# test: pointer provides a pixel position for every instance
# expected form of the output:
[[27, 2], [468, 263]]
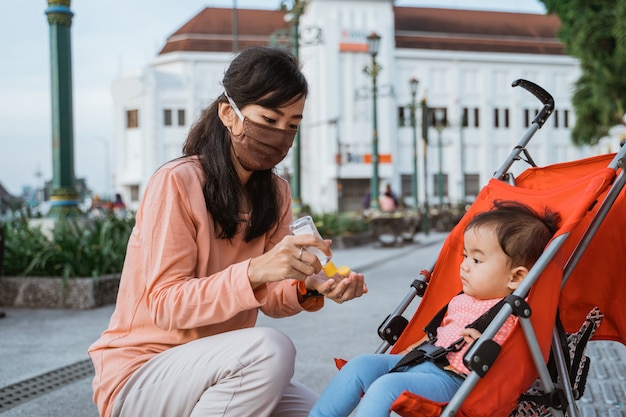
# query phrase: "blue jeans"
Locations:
[[367, 376]]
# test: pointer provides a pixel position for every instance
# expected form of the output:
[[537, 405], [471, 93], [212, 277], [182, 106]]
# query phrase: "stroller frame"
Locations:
[[481, 354]]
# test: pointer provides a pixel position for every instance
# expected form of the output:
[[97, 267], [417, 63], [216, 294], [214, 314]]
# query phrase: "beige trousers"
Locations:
[[243, 373]]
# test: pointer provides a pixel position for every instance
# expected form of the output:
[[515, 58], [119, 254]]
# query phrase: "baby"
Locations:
[[500, 247]]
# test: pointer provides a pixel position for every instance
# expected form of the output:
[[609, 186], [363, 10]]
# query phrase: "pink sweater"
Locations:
[[180, 282]]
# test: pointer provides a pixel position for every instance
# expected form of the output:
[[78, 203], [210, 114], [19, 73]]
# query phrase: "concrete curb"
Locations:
[[55, 292]]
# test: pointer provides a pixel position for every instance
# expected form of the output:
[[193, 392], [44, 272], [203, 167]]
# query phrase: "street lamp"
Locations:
[[425, 121], [293, 9], [439, 125], [293, 16], [64, 195], [373, 43], [413, 83]]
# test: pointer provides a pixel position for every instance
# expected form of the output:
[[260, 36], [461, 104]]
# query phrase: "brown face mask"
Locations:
[[259, 147]]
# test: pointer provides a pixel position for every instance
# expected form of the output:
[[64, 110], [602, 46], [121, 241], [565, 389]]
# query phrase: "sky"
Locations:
[[108, 38]]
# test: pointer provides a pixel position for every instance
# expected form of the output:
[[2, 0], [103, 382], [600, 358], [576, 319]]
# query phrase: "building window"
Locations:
[[505, 118], [406, 185], [444, 185], [167, 117], [528, 113], [473, 112], [472, 184], [566, 119], [134, 192], [132, 119], [556, 119], [432, 116], [402, 116], [181, 117]]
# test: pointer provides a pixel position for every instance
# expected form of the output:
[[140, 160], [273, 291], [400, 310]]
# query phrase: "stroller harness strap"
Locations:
[[437, 354]]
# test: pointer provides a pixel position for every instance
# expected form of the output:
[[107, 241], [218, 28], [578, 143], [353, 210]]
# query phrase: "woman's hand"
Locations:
[[288, 260], [339, 288]]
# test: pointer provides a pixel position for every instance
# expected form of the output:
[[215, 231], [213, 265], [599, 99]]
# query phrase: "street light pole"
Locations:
[[413, 83], [439, 120], [294, 14], [373, 43], [293, 10], [64, 195], [425, 122]]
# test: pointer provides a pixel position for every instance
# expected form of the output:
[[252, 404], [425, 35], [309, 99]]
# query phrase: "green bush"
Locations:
[[338, 224], [93, 247], [74, 248]]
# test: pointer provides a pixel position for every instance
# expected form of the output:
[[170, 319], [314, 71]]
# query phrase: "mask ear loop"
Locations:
[[234, 106]]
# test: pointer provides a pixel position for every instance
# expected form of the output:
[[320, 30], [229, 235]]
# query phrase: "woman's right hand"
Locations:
[[288, 260]]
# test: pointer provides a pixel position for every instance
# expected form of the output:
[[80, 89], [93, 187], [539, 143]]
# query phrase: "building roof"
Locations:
[[211, 30], [474, 30]]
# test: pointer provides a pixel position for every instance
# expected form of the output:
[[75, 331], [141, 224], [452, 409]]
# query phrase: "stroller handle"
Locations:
[[543, 96]]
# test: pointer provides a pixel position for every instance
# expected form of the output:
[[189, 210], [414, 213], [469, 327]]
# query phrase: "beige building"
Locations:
[[464, 61]]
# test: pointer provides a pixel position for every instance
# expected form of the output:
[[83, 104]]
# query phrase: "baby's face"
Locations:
[[486, 272]]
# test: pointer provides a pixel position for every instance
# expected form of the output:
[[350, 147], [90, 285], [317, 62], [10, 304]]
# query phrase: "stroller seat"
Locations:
[[577, 190]]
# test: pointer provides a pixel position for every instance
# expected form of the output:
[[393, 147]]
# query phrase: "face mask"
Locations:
[[259, 147]]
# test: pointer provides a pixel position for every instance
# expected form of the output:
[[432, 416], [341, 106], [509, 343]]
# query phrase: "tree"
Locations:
[[595, 33]]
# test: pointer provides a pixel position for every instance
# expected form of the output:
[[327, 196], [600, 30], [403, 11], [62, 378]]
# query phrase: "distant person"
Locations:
[[488, 273], [210, 250], [119, 207], [389, 200], [367, 200], [119, 202]]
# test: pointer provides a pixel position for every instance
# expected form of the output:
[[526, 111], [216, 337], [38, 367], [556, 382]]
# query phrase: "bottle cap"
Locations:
[[343, 270], [330, 269]]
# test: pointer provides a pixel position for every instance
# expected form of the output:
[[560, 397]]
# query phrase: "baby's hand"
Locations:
[[470, 335]]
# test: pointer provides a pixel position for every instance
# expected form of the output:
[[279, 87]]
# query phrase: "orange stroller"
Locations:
[[579, 271]]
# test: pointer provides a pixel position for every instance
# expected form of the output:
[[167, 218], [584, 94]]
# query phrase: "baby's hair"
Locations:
[[522, 232]]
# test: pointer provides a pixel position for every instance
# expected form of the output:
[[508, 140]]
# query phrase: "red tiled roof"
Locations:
[[416, 28], [474, 30], [212, 30]]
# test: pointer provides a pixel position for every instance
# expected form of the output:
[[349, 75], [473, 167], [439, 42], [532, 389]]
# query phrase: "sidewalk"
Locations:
[[51, 345]]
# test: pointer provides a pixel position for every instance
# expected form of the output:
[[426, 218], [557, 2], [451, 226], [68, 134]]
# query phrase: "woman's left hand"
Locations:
[[339, 289]]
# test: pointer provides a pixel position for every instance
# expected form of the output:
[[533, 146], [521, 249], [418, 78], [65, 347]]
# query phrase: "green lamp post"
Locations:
[[425, 118], [64, 196], [373, 43], [414, 83], [440, 125], [293, 16]]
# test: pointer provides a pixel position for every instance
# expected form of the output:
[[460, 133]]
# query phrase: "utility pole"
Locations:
[[64, 197]]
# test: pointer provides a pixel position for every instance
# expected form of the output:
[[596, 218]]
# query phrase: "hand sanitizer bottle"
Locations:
[[306, 226]]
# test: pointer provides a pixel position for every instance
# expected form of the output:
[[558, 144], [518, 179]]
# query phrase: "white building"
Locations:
[[465, 62]]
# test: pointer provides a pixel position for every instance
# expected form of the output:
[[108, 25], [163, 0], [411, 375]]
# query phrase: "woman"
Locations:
[[211, 248]]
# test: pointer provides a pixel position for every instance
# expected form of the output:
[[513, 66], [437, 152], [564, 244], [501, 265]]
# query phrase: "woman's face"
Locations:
[[265, 137], [287, 117]]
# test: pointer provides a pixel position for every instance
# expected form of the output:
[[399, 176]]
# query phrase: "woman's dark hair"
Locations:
[[268, 77], [522, 232]]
